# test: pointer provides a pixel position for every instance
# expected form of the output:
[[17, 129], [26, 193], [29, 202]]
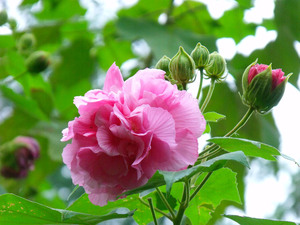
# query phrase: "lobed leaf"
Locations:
[[250, 148], [165, 177], [15, 210], [243, 220]]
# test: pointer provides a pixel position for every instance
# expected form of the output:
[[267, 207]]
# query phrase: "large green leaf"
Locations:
[[165, 177], [250, 148], [221, 186], [242, 220], [75, 64], [25, 104], [287, 17], [142, 214], [60, 10], [16, 210], [163, 40]]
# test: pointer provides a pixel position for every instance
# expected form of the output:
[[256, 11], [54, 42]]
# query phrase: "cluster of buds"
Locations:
[[263, 87], [36, 61], [181, 68], [17, 157]]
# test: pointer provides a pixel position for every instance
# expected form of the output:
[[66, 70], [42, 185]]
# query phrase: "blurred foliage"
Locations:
[[80, 51]]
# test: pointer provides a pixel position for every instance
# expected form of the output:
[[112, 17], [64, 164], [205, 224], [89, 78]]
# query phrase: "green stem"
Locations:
[[152, 211], [156, 209], [238, 126], [166, 203], [184, 86], [209, 94], [241, 123], [183, 204], [4, 82], [200, 185], [200, 84]]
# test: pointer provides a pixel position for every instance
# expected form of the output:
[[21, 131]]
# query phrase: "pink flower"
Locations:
[[128, 130], [277, 74]]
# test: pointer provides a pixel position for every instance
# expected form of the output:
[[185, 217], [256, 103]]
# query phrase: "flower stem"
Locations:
[[156, 209], [184, 86], [166, 203], [7, 81], [200, 84], [239, 125], [209, 94], [183, 204], [200, 185], [152, 211]]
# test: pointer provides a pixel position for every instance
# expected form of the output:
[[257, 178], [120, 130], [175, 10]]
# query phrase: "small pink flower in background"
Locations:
[[18, 157], [128, 130]]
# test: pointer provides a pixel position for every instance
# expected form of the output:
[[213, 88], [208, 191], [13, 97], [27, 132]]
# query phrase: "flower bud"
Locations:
[[164, 64], [12, 23], [182, 67], [18, 156], [200, 55], [3, 17], [263, 87], [26, 43], [37, 62], [216, 66]]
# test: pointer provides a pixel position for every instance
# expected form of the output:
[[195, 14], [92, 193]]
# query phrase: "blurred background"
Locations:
[[82, 38]]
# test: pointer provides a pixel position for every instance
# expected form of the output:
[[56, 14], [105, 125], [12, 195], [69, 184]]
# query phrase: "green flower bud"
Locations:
[[182, 67], [3, 17], [200, 55], [164, 64], [12, 23], [263, 87], [216, 66], [37, 62], [26, 44]]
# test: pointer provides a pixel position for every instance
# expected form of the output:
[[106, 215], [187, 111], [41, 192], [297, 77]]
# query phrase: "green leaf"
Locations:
[[243, 220], [7, 41], [162, 40], [165, 177], [213, 117], [25, 104], [142, 214], [60, 10], [221, 186], [16, 210], [75, 65], [250, 148]]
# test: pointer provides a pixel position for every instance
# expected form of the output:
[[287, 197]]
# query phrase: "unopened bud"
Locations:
[[200, 55], [18, 156], [263, 87], [216, 67], [3, 17], [12, 23], [164, 64], [182, 67], [26, 43], [37, 62]]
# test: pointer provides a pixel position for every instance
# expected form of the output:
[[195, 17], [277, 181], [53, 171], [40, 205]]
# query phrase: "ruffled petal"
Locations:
[[114, 80]]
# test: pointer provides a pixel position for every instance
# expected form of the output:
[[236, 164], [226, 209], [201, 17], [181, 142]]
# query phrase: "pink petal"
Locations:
[[114, 80], [104, 194], [187, 115], [161, 123], [186, 152]]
